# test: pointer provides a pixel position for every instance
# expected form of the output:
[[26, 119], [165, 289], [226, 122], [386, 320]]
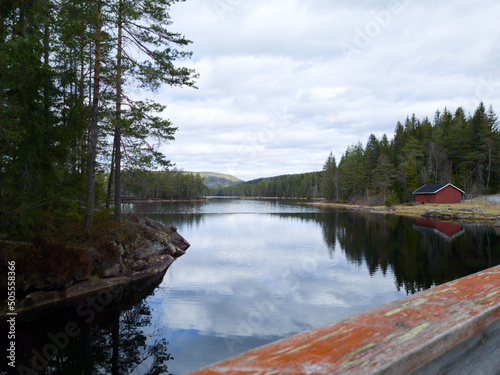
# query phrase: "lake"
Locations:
[[257, 271]]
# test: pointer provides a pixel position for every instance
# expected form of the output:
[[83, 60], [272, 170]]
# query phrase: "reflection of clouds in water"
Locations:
[[249, 279], [277, 279]]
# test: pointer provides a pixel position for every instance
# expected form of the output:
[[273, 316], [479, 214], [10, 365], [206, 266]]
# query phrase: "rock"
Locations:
[[171, 249], [177, 240], [440, 213], [179, 253], [146, 247], [152, 224], [127, 272], [111, 271], [138, 265]]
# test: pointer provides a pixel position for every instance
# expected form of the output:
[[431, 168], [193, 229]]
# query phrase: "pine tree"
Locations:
[[145, 32], [330, 182]]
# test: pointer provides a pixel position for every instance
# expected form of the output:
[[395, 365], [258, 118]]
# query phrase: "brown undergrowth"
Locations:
[[58, 259]]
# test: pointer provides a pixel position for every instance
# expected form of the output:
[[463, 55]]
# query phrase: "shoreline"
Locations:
[[160, 200], [149, 252], [55, 299], [487, 213]]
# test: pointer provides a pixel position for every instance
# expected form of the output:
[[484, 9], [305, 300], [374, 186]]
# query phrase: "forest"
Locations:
[[171, 184], [457, 148], [305, 185], [72, 75], [454, 148]]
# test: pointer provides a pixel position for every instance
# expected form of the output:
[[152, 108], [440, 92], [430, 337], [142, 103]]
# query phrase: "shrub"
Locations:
[[391, 199]]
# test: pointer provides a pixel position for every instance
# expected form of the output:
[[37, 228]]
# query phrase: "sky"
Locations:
[[285, 82]]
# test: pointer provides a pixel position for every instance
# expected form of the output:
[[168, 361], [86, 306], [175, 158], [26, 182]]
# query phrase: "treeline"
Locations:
[[172, 184], [67, 72], [305, 185], [453, 148]]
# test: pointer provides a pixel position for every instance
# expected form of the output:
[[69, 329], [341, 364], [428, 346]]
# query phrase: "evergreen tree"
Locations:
[[330, 182], [156, 48]]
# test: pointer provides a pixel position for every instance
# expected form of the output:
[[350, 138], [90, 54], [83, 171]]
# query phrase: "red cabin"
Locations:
[[438, 194]]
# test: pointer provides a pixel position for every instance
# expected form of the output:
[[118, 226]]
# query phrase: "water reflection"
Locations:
[[109, 333], [420, 252], [447, 230], [256, 272]]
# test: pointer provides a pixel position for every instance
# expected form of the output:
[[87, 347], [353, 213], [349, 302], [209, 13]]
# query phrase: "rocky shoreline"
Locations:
[[151, 251], [465, 212]]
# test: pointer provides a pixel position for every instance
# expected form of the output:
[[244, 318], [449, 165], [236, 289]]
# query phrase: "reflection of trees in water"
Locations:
[[118, 340], [186, 220], [121, 346], [329, 222], [418, 260]]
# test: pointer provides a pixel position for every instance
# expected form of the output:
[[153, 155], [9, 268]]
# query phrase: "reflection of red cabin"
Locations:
[[444, 228], [438, 194]]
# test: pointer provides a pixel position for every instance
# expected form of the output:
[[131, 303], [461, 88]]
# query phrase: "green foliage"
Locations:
[[217, 180], [306, 185], [353, 171], [48, 89], [329, 184], [391, 200], [172, 184], [456, 148]]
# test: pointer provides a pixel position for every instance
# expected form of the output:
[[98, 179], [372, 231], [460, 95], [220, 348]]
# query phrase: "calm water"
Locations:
[[257, 271]]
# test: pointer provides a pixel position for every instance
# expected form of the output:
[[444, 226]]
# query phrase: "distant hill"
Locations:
[[218, 180]]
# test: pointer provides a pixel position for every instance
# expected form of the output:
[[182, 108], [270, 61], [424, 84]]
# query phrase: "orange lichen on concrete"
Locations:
[[396, 338]]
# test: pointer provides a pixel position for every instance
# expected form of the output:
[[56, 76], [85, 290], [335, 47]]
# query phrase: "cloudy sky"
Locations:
[[284, 82]]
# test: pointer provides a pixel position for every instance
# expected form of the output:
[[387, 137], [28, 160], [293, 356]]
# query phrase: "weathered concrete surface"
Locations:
[[397, 338], [479, 354]]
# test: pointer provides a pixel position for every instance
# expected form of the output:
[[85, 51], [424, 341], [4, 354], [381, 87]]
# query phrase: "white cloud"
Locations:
[[276, 62]]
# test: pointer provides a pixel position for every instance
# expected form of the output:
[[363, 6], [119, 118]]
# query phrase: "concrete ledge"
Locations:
[[433, 328]]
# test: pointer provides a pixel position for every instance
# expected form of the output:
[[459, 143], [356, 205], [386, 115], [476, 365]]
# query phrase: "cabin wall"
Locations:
[[446, 195], [424, 198]]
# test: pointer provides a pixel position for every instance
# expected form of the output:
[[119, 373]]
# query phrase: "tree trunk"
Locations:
[[118, 156], [110, 179], [489, 166], [93, 124], [46, 68]]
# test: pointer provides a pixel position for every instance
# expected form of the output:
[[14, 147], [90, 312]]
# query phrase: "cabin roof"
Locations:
[[434, 188]]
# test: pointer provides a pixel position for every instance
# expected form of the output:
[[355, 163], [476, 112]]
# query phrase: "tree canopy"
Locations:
[[455, 148], [68, 69]]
